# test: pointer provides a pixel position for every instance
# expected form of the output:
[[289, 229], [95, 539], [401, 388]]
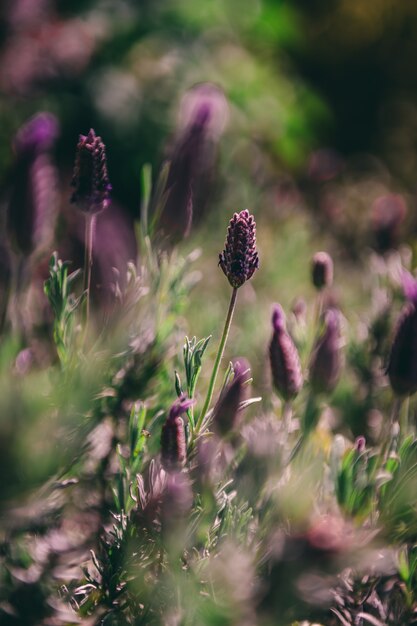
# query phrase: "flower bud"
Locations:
[[322, 270], [173, 443], [360, 444], [283, 356], [326, 358], [387, 215], [402, 364], [90, 179], [239, 258], [227, 410]]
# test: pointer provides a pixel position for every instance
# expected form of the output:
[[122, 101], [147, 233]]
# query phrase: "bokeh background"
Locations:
[[321, 97], [304, 112]]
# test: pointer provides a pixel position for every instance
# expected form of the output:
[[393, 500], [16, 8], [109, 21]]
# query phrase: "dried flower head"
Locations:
[[239, 258], [173, 443], [90, 178], [326, 359], [402, 363], [228, 407], [283, 357], [322, 270]]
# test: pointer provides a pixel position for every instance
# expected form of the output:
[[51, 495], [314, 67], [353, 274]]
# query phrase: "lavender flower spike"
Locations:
[[173, 443], [326, 359], [239, 259], [284, 360], [322, 270], [402, 364], [226, 412], [90, 178]]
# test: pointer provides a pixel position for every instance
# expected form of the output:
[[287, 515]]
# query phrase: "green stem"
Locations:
[[388, 435], [219, 356], [287, 416], [88, 260]]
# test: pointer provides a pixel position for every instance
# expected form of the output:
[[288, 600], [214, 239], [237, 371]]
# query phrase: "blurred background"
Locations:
[[303, 112], [321, 97]]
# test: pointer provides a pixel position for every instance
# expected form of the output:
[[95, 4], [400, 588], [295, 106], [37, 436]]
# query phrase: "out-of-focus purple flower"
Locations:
[[402, 363], [90, 179], [324, 165], [239, 259], [5, 281], [326, 359], [226, 412], [409, 285], [33, 197], [26, 13], [322, 270], [283, 357], [203, 112], [39, 133], [173, 443], [176, 500], [387, 215], [360, 444]]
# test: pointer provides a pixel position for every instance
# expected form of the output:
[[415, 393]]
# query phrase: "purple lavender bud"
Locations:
[[173, 443], [90, 178], [239, 258], [283, 357], [402, 364], [191, 162], [33, 197], [409, 285], [322, 270], [227, 410], [39, 133], [326, 358], [176, 501], [360, 444]]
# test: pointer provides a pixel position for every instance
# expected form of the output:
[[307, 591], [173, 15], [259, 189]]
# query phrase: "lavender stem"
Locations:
[[218, 360], [90, 221]]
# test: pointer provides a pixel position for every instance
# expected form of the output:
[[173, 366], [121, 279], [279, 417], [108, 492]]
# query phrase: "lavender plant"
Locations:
[[173, 503]]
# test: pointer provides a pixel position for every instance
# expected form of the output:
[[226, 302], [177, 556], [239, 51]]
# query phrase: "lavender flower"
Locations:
[[176, 500], [239, 259], [322, 270], [90, 178], [203, 111], [326, 358], [33, 197], [387, 215], [402, 364], [360, 444], [283, 356], [228, 407], [173, 443]]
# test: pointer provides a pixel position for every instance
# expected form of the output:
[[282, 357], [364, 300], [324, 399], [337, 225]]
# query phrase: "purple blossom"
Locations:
[[326, 358], [239, 259], [90, 179], [173, 442], [283, 357], [227, 410]]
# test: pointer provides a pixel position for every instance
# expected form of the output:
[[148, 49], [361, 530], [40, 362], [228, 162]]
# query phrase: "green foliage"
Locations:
[[59, 290]]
